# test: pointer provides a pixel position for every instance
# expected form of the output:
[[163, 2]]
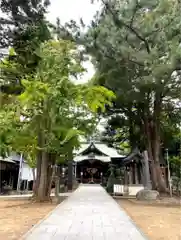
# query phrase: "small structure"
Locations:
[[25, 173], [133, 168], [15, 172], [137, 173], [8, 173], [92, 160]]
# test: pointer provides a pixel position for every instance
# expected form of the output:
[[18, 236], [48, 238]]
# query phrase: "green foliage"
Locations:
[[24, 29], [175, 164], [20, 15], [135, 48], [98, 97], [135, 52], [52, 106], [31, 160], [7, 124]]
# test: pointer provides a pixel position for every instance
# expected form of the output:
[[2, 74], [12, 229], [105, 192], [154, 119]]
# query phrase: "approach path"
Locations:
[[88, 214]]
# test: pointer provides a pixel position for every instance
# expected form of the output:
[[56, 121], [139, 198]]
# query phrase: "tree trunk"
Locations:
[[34, 179], [150, 153], [38, 163], [57, 184], [70, 175], [44, 169], [51, 172], [50, 177], [42, 194], [131, 135], [156, 151], [70, 170], [156, 142], [132, 139], [146, 171], [38, 172]]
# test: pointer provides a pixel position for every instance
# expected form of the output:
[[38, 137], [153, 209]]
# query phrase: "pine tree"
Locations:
[[24, 30]]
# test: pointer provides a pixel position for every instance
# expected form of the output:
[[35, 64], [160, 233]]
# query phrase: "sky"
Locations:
[[74, 9]]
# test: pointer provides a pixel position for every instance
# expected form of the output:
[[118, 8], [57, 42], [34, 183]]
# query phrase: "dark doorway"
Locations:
[[91, 171]]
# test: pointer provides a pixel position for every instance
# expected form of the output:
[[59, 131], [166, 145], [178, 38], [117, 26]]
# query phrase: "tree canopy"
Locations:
[[135, 47], [52, 111]]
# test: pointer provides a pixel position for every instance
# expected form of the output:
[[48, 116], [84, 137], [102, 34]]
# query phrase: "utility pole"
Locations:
[[169, 176]]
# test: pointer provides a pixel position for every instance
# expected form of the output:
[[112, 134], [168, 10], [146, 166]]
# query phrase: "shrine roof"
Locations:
[[104, 159], [7, 160], [101, 147]]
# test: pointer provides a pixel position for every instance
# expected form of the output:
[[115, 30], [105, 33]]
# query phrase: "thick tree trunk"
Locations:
[[34, 179], [57, 184], [70, 175], [156, 143], [42, 193], [146, 171], [38, 163], [38, 172], [150, 153], [156, 151], [44, 170], [51, 172], [70, 170], [132, 138], [50, 177]]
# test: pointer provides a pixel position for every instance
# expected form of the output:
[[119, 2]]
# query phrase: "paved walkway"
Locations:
[[88, 214]]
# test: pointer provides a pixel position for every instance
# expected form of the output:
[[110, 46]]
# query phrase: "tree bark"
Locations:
[[42, 193], [44, 161], [150, 153], [38, 172], [156, 142], [132, 138], [38, 163], [131, 135], [57, 184], [34, 179], [70, 175], [52, 171], [146, 171], [50, 178]]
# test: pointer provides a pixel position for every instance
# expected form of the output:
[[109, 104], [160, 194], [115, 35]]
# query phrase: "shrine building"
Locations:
[[92, 161]]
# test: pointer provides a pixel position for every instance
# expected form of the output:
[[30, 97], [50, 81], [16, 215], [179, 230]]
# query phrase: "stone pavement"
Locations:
[[88, 214]]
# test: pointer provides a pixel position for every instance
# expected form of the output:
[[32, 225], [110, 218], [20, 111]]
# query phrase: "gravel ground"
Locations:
[[17, 217], [158, 221]]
